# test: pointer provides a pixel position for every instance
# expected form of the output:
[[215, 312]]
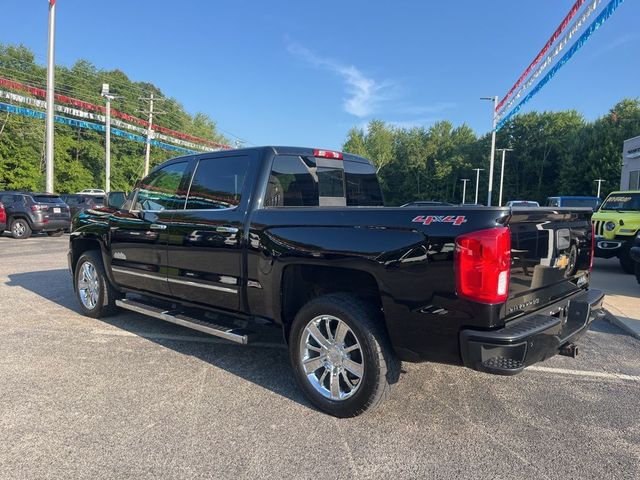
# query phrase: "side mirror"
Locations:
[[116, 200]]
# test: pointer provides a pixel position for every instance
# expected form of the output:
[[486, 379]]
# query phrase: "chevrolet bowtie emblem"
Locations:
[[562, 261]]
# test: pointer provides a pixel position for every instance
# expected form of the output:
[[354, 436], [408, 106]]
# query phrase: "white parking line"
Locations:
[[585, 373]]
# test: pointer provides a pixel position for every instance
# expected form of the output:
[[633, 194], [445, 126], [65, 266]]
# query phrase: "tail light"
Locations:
[[483, 264], [593, 247], [39, 208]]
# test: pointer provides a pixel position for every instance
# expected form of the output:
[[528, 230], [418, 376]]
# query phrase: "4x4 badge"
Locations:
[[429, 219]]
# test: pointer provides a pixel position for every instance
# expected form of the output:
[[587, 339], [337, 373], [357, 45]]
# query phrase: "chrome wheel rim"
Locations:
[[19, 229], [88, 285], [331, 357]]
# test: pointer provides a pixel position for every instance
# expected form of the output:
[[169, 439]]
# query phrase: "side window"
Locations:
[[161, 189], [363, 188], [293, 182], [217, 183]]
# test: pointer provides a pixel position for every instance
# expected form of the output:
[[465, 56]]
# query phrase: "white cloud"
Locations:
[[365, 94]]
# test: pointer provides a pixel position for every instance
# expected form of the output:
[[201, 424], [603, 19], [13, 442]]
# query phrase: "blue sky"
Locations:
[[303, 73]]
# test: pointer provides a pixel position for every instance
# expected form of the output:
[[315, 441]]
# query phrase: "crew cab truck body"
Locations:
[[300, 238]]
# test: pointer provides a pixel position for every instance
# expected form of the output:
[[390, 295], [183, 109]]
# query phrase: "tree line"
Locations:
[[79, 153], [554, 153]]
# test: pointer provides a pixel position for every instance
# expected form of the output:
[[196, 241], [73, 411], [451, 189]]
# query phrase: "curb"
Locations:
[[630, 326]]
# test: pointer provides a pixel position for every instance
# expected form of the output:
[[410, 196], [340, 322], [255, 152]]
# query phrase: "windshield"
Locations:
[[622, 201]]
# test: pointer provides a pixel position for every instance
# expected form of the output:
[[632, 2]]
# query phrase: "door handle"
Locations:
[[226, 230], [157, 226]]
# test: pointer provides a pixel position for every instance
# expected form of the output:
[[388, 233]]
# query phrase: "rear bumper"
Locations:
[[533, 338], [52, 225]]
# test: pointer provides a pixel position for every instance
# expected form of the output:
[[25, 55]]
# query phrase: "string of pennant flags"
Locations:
[[85, 110], [72, 122], [580, 30]]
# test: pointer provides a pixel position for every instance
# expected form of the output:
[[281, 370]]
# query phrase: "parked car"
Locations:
[[299, 238], [616, 224], [427, 203], [3, 218], [29, 212], [92, 191], [79, 202], [574, 201], [522, 203]]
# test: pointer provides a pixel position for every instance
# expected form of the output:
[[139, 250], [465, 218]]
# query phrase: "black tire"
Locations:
[[627, 263], [106, 294], [380, 365], [20, 229], [57, 233], [637, 272]]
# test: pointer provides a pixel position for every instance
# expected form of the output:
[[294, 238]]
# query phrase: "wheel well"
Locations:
[[302, 283], [81, 245]]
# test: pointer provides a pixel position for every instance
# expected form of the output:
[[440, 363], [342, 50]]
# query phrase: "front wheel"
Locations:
[[341, 355], [627, 263], [94, 291]]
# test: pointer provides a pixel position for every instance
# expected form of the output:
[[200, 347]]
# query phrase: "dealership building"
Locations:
[[630, 176]]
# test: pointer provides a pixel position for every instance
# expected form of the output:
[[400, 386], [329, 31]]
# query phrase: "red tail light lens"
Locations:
[[328, 154], [483, 264], [39, 208], [593, 246]]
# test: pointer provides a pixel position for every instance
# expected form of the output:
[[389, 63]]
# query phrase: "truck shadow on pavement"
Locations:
[[265, 363]]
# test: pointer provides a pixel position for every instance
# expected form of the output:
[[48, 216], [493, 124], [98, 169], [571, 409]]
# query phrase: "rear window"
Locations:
[[47, 199], [301, 181], [580, 202], [72, 199]]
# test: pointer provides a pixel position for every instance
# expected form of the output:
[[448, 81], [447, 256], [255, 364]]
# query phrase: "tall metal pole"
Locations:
[[464, 190], [147, 150], [504, 150], [494, 122], [50, 98], [599, 182], [478, 170], [107, 138]]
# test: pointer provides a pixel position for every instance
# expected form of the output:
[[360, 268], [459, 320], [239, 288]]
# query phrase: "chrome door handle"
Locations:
[[157, 226], [226, 230]]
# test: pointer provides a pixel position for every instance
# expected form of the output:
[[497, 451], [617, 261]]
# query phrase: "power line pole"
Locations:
[[147, 150], [503, 150], [464, 189], [107, 142], [493, 145], [50, 98], [599, 182], [478, 170]]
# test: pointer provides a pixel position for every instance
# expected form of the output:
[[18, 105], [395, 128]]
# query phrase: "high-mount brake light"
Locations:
[[328, 154], [483, 265]]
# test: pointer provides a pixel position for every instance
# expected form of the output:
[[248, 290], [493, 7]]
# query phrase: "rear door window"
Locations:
[[293, 182], [217, 183]]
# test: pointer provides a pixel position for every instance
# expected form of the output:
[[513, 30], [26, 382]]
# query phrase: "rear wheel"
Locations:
[[94, 291], [20, 229], [341, 356]]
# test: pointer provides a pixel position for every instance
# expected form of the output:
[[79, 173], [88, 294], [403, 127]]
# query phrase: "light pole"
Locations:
[[464, 189], [50, 99], [599, 182], [503, 150], [493, 145], [107, 142], [478, 170]]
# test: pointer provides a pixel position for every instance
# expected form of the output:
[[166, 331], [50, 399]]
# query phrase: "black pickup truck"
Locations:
[[226, 242]]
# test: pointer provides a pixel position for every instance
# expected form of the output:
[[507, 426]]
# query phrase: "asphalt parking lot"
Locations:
[[132, 397]]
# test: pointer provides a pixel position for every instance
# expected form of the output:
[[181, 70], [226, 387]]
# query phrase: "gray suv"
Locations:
[[29, 212]]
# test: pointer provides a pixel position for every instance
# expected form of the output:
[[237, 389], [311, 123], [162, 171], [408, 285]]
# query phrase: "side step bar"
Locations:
[[233, 334]]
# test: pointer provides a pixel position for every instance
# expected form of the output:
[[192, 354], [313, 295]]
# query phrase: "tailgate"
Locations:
[[550, 256]]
